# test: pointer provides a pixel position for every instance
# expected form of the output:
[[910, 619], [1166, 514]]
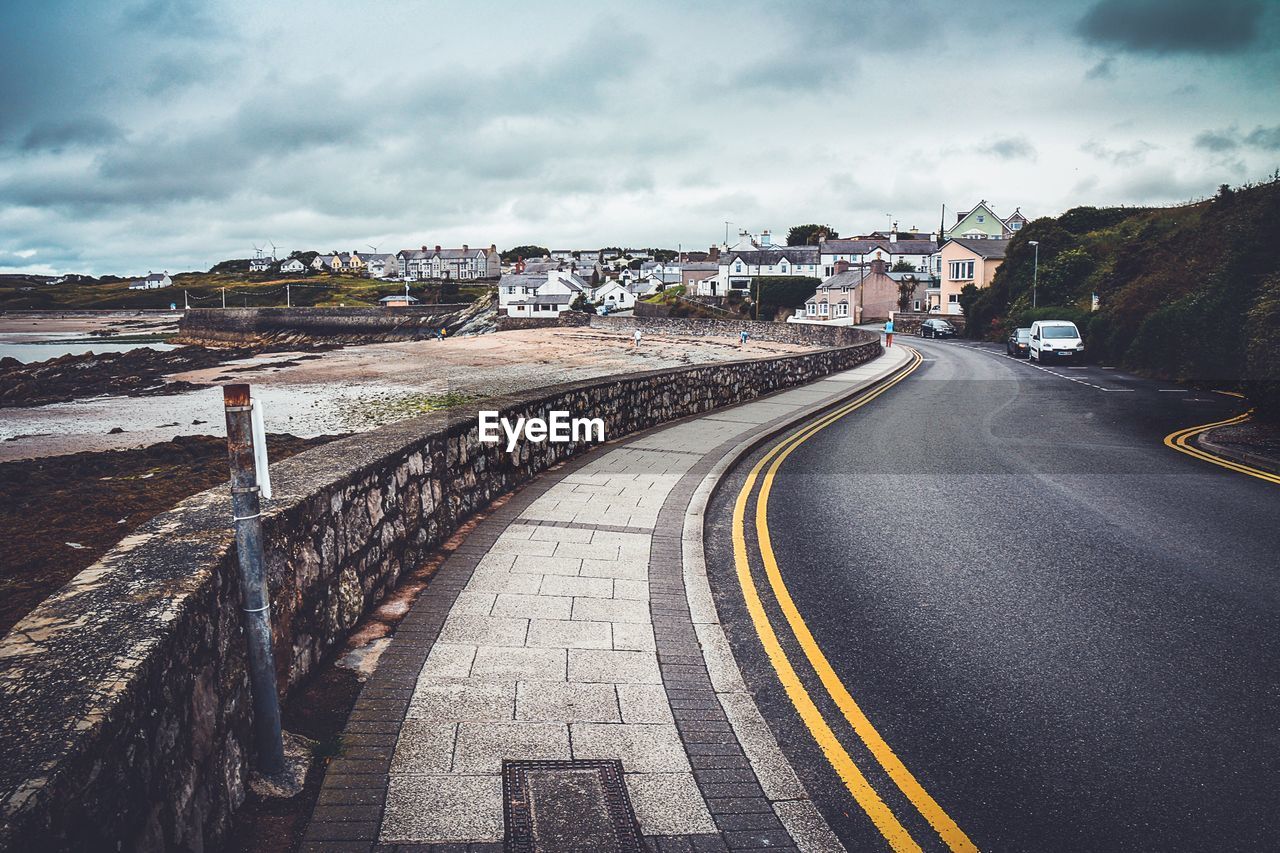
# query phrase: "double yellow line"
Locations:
[[863, 793], [1181, 441]]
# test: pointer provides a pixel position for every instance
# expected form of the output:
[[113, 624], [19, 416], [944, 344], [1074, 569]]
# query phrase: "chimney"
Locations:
[[465, 248], [877, 267], [766, 239], [842, 266], [424, 248], [713, 253], [893, 233], [933, 236], [437, 248], [493, 248]]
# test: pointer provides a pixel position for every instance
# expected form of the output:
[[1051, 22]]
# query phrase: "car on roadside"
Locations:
[[936, 329], [1019, 343], [1055, 341]]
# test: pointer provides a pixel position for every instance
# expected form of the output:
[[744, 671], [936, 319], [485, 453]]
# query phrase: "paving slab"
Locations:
[[548, 652]]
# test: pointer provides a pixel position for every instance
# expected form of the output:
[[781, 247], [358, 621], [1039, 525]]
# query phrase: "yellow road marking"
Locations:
[[1180, 440], [855, 782], [943, 824]]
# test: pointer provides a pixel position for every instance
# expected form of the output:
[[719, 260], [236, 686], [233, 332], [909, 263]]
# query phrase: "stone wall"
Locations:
[[124, 706], [908, 323], [338, 325], [786, 333], [567, 318]]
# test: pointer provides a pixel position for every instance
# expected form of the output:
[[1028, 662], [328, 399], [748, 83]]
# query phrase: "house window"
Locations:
[[738, 268], [823, 309], [981, 218], [915, 306], [961, 270], [811, 309], [953, 298]]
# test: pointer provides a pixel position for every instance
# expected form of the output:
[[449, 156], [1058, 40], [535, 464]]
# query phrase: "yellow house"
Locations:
[[965, 262]]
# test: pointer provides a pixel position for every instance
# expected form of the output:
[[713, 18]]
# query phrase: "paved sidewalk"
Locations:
[[576, 622]]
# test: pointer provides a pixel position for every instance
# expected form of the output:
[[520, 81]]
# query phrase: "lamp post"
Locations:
[[1035, 272]]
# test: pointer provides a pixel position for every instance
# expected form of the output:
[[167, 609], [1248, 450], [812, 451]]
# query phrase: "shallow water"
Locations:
[[27, 347]]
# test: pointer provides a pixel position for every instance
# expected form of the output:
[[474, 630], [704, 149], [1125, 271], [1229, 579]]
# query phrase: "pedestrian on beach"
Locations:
[[742, 337], [636, 339], [888, 332]]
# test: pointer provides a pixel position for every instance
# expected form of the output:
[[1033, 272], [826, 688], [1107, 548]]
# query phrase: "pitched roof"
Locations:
[[983, 248], [772, 257], [863, 247]]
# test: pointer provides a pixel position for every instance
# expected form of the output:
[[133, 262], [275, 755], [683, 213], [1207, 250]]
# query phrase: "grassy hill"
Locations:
[[1189, 293], [204, 290]]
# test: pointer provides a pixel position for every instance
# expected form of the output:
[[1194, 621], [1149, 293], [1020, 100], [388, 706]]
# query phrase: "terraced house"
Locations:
[[890, 248], [758, 256], [464, 264]]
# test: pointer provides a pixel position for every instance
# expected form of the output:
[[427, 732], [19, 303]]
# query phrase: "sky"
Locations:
[[171, 134]]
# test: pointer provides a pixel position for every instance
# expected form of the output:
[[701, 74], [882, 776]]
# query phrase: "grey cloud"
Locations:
[[1010, 148], [187, 18], [83, 131], [1104, 69], [1130, 156], [1231, 139], [1267, 138], [1172, 26]]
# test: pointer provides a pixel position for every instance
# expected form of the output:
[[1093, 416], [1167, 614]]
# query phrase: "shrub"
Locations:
[[1262, 344]]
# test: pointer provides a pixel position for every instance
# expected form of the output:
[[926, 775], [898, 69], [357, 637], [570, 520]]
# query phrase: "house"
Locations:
[[262, 264], [965, 261], [854, 294], [754, 256], [891, 248], [153, 281], [541, 292], [398, 300], [384, 265], [982, 223], [692, 272], [293, 265], [322, 263], [464, 264], [615, 296]]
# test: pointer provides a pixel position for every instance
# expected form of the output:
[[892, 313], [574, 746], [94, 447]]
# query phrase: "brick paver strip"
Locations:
[[351, 805]]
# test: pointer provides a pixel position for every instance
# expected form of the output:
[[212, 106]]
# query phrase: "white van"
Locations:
[[1055, 340]]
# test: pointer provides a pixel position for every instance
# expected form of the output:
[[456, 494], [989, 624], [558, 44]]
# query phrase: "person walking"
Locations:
[[742, 338], [636, 339], [888, 332]]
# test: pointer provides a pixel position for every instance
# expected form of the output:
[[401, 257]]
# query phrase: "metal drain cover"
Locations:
[[568, 807]]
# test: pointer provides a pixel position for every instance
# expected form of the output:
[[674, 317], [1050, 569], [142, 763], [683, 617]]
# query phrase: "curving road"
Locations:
[[1065, 630]]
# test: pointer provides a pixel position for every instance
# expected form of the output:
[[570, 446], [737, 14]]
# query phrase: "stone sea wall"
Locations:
[[124, 705], [213, 326]]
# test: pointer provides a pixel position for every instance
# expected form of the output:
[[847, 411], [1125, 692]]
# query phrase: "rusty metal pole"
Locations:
[[246, 510]]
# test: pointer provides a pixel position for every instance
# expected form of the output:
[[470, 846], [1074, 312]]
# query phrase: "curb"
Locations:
[[803, 821], [1243, 457]]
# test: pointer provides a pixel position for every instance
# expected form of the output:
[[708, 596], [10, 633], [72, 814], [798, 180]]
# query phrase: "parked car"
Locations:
[[937, 329], [1054, 340], [1019, 343]]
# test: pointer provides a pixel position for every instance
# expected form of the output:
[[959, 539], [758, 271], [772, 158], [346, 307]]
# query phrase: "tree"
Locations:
[[902, 265], [525, 252], [906, 290], [580, 303], [810, 235], [663, 255], [781, 291]]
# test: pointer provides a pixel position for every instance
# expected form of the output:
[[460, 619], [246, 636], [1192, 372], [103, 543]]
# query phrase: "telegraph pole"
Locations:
[[224, 297]]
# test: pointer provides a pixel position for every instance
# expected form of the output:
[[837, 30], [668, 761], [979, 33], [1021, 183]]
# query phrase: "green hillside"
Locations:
[[204, 290], [1189, 293]]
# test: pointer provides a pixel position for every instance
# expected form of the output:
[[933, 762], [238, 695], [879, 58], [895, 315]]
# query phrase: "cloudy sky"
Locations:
[[150, 134]]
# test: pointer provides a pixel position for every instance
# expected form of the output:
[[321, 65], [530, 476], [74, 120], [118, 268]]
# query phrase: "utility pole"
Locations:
[[288, 296], [186, 303], [727, 223], [224, 297], [1035, 272], [246, 513]]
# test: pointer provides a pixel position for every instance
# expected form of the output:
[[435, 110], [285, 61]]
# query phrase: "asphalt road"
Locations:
[[1066, 630]]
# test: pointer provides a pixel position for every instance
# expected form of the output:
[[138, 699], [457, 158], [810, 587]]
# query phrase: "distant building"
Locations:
[[292, 265], [465, 264], [398, 300], [982, 223], [539, 290], [854, 294], [153, 281], [963, 262], [891, 248], [757, 256], [381, 265], [261, 264]]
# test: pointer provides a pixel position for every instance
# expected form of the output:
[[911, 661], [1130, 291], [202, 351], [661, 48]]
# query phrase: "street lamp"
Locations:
[[1035, 271]]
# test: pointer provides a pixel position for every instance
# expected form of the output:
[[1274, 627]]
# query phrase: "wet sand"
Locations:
[[356, 388]]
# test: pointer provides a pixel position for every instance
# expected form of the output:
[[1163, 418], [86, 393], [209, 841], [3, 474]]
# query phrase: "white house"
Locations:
[[615, 296], [891, 249], [262, 264], [322, 263], [465, 264], [292, 265], [754, 256], [538, 293], [381, 265], [153, 281]]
